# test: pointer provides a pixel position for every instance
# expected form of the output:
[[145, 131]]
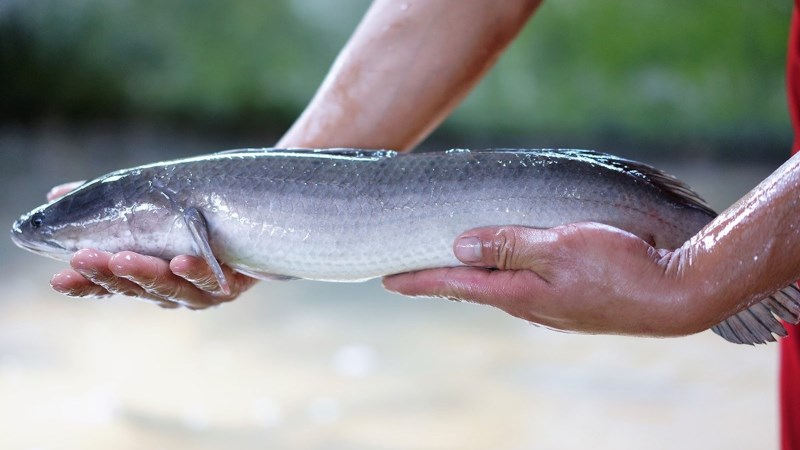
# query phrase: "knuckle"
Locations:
[[503, 245], [571, 237], [149, 284], [570, 232], [168, 291], [207, 282], [122, 289], [94, 291], [97, 292], [203, 280], [161, 286]]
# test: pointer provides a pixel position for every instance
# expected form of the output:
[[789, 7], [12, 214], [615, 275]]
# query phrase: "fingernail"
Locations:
[[122, 264], [58, 281], [468, 249]]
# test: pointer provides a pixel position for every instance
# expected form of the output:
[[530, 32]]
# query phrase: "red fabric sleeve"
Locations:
[[790, 346], [793, 75], [790, 389]]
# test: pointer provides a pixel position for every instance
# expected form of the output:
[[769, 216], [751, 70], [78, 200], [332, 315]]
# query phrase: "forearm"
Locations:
[[750, 251], [407, 65]]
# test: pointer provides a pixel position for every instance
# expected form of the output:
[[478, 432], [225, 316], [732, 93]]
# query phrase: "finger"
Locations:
[[507, 248], [73, 284], [154, 276], [196, 271], [93, 265], [499, 288], [62, 189]]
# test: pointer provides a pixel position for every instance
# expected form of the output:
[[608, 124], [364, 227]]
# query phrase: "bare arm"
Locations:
[[596, 279], [404, 69], [751, 250]]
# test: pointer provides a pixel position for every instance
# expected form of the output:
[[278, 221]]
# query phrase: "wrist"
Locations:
[[695, 294]]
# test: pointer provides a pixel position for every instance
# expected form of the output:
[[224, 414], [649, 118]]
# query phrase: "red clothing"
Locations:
[[790, 389], [790, 346]]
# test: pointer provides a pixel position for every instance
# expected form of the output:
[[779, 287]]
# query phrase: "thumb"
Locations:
[[506, 247]]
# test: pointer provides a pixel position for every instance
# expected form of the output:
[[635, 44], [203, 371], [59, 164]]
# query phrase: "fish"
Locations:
[[352, 214]]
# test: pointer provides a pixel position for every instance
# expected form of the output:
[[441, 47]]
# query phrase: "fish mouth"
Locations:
[[44, 247]]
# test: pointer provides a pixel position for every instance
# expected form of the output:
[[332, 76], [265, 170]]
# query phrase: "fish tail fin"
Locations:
[[758, 324]]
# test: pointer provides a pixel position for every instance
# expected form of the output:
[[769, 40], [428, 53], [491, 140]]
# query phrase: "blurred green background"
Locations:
[[684, 76], [88, 86]]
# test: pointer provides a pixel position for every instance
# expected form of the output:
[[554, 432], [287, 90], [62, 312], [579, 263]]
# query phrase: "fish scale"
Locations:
[[351, 215]]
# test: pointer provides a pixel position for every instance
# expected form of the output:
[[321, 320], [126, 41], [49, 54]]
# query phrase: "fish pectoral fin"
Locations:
[[197, 226], [758, 324]]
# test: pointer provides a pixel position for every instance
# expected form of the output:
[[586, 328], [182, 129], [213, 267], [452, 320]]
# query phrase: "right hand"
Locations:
[[583, 277], [184, 281]]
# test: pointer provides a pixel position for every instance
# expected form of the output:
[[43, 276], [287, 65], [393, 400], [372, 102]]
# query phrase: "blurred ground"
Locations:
[[339, 366]]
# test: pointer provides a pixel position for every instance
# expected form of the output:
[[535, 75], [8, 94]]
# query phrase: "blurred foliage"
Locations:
[[655, 70], [648, 70], [199, 59]]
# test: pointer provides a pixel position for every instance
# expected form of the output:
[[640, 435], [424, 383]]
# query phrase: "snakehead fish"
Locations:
[[351, 215]]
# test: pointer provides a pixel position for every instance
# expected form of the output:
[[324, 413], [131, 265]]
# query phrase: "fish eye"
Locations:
[[37, 220]]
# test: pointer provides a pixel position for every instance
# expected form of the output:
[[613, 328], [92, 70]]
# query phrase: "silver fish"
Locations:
[[352, 215]]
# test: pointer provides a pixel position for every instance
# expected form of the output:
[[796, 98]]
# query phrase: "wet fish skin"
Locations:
[[351, 215], [348, 215]]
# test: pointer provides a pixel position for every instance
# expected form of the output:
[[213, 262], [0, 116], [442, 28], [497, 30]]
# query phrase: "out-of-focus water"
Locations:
[[340, 366]]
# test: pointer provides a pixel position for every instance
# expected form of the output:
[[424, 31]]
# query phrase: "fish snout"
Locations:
[[29, 232]]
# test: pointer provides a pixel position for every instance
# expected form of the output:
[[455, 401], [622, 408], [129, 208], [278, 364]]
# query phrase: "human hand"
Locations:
[[587, 277], [183, 281]]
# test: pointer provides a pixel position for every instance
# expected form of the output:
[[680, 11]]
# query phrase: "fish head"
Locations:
[[112, 213], [29, 232]]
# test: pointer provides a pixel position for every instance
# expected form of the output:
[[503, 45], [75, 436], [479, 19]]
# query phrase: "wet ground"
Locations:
[[340, 366]]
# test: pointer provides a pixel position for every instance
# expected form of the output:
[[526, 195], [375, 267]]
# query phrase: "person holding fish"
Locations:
[[405, 68]]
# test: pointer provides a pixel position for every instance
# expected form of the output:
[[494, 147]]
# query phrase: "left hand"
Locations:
[[184, 281], [586, 277]]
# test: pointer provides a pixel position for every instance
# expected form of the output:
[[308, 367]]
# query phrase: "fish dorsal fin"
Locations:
[[354, 153], [757, 324], [667, 183]]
